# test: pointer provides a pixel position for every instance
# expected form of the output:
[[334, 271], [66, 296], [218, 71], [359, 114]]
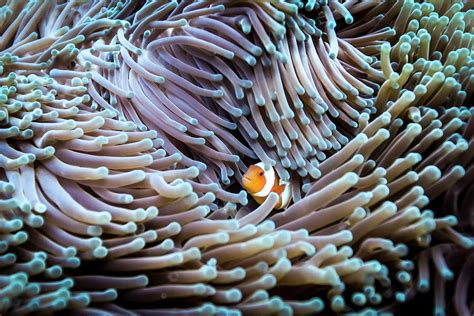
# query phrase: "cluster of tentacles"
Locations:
[[125, 127]]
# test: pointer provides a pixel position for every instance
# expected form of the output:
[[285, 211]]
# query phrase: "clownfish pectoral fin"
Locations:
[[259, 200]]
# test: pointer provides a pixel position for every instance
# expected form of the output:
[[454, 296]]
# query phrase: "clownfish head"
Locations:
[[254, 179], [258, 181]]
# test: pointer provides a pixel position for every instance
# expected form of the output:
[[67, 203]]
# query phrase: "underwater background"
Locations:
[[126, 128]]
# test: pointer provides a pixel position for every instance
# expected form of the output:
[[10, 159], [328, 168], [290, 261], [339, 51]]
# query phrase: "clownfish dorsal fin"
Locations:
[[269, 180]]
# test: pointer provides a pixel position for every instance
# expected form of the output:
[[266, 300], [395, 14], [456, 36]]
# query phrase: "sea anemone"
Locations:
[[126, 127], [261, 68]]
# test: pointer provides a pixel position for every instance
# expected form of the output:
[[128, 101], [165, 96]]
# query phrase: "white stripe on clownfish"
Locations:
[[269, 180], [285, 195]]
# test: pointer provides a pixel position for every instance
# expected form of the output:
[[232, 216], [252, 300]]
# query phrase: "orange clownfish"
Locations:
[[260, 183]]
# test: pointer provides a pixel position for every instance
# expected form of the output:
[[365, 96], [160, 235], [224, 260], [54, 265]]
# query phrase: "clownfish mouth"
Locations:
[[246, 182], [246, 179]]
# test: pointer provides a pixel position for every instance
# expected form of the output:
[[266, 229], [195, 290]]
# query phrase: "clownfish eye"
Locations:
[[261, 173]]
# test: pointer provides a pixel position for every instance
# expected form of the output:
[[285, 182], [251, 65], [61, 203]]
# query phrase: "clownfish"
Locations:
[[260, 183]]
